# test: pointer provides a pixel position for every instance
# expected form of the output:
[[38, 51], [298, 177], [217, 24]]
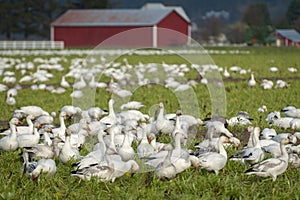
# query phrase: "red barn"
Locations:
[[155, 25], [287, 37]]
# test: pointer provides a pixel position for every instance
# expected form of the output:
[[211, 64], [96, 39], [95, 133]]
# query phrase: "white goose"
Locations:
[[291, 111], [252, 82], [34, 169], [126, 151], [29, 139], [35, 111], [44, 166], [144, 149], [23, 129], [213, 161], [10, 100], [111, 119], [109, 170], [60, 131], [166, 169], [68, 153], [272, 166], [10, 142], [250, 155], [44, 150], [163, 125]]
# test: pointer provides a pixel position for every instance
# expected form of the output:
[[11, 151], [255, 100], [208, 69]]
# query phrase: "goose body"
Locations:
[[34, 110], [68, 152], [163, 125], [272, 166], [166, 169], [250, 155], [213, 161], [23, 129], [291, 111], [10, 142], [30, 139], [34, 169], [252, 82], [44, 166]]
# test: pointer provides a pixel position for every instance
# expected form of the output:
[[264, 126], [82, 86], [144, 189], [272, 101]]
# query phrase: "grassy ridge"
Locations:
[[231, 183]]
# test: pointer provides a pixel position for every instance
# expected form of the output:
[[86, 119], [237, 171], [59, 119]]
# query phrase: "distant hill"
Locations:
[[196, 9]]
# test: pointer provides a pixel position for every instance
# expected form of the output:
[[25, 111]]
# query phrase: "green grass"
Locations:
[[231, 183]]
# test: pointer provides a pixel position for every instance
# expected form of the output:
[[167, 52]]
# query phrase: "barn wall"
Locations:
[[171, 38], [92, 36]]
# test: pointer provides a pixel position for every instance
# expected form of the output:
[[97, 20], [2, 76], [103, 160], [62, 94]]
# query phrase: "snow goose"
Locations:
[[60, 131], [250, 155], [126, 151], [23, 129], [96, 113], [111, 119], [144, 149], [29, 139], [272, 166], [220, 128], [68, 153], [278, 121], [44, 166], [208, 145], [241, 119], [35, 111], [180, 158], [266, 84], [10, 100], [79, 84], [213, 161], [268, 133], [166, 169], [64, 83], [10, 142], [163, 125], [226, 73], [180, 128], [158, 146], [109, 170], [295, 124], [252, 82], [291, 111], [263, 108], [71, 110], [97, 156], [281, 84], [135, 105], [44, 150]]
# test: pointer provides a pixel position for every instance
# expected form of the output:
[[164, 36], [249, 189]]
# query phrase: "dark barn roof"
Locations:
[[118, 17]]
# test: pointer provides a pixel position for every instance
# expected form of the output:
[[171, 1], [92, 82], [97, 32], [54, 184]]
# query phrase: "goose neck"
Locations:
[[222, 150], [284, 153]]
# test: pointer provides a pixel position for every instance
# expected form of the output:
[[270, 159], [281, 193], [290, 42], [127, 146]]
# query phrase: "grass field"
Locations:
[[231, 183]]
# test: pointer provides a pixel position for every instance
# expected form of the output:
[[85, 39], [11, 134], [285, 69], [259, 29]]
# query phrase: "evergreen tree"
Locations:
[[258, 19]]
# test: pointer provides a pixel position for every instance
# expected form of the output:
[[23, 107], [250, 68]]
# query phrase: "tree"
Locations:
[[236, 32], [293, 14], [8, 18], [258, 19]]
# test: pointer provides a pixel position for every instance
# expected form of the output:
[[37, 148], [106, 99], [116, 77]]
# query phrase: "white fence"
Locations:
[[31, 44]]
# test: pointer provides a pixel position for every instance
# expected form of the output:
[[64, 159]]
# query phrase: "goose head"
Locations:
[[15, 121]]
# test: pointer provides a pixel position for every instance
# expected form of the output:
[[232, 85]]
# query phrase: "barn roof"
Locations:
[[111, 17], [290, 34]]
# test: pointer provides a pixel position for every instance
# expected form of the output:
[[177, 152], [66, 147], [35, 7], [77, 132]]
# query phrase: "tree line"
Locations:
[[33, 17], [256, 25], [30, 19]]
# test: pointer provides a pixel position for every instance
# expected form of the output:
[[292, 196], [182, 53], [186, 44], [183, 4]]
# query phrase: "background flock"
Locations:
[[123, 139]]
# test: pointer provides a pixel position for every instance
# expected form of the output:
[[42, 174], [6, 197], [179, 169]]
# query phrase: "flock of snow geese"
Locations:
[[129, 140]]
